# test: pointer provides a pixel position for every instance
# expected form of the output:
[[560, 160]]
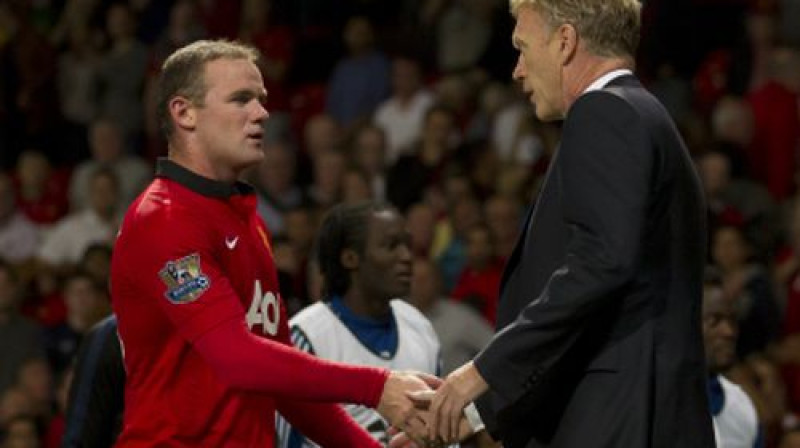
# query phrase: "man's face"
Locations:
[[719, 330], [538, 68], [229, 126], [385, 266]]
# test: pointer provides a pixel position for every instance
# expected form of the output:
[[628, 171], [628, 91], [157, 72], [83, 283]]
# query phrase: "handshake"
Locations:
[[427, 411]]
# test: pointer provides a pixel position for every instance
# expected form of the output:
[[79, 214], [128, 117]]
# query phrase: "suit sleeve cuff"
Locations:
[[474, 418]]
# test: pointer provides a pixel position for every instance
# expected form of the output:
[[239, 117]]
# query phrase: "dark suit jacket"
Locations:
[[600, 339]]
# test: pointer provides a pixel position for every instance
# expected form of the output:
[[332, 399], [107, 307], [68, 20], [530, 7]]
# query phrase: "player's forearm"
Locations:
[[327, 424], [246, 361]]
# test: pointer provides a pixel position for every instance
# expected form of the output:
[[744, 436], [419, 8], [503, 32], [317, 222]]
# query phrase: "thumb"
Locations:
[[432, 381], [421, 398]]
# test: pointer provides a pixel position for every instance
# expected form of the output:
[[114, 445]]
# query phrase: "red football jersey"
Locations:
[[191, 254]]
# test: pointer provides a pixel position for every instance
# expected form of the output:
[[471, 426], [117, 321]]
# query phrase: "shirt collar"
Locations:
[[202, 185], [603, 81]]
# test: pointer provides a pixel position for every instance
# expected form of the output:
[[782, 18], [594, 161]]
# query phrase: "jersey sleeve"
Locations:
[[173, 262]]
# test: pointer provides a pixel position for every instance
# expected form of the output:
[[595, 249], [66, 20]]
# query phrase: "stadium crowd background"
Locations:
[[409, 101]]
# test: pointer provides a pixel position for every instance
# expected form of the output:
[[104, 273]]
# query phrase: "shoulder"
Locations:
[[409, 316], [607, 105], [316, 321]]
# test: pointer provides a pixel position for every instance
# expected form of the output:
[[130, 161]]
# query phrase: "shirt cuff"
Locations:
[[474, 418]]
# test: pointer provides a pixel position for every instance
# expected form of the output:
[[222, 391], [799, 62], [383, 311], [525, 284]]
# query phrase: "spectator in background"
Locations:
[[360, 81], [790, 439], [451, 256], [77, 88], [20, 339], [478, 284], [107, 145], [19, 237], [463, 33], [87, 303], [748, 284], [96, 261], [732, 128], [503, 215], [23, 431], [402, 115], [421, 222], [321, 133], [777, 124], [410, 176], [66, 243], [41, 192], [356, 186], [35, 379], [738, 202], [450, 319], [274, 180], [735, 418], [326, 187], [369, 155], [122, 75]]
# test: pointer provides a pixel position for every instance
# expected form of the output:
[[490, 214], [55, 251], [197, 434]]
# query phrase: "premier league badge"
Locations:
[[184, 279]]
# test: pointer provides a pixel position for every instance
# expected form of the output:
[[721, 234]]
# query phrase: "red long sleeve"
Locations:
[[326, 424], [246, 361]]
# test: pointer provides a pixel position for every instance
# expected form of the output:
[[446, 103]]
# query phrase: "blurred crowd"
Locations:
[[408, 101]]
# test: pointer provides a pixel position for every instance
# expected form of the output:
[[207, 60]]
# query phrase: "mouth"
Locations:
[[255, 137]]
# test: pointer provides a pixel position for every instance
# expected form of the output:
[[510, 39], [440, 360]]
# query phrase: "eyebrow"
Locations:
[[248, 94]]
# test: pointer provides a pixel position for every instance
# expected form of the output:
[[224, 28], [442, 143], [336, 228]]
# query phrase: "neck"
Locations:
[[193, 160], [359, 304], [586, 69]]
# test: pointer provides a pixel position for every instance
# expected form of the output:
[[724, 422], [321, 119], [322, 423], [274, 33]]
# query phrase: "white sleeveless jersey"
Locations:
[[317, 330], [736, 426]]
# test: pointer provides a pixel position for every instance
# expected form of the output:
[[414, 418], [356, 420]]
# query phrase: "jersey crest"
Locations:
[[184, 279]]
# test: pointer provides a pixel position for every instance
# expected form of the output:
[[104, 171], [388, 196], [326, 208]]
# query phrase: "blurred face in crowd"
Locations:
[[106, 141], [103, 194], [86, 305], [426, 286], [14, 402], [229, 124], [355, 187], [370, 150], [421, 226], [384, 268], [358, 35], [730, 250], [21, 433], [36, 379], [120, 22], [33, 169], [502, 217], [276, 172], [438, 128], [714, 171], [300, 228], [321, 134], [790, 440], [720, 330], [539, 67], [479, 246], [406, 78], [328, 171]]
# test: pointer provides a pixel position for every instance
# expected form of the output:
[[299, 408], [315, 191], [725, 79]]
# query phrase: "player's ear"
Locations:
[[183, 112], [349, 259]]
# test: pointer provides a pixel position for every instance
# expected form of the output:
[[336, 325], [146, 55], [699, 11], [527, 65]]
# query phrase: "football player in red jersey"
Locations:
[[201, 323]]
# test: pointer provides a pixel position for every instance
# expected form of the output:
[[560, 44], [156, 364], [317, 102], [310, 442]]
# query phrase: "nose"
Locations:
[[261, 112], [519, 70]]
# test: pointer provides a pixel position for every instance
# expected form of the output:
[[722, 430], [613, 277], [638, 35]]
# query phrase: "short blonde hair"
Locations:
[[183, 74], [610, 27]]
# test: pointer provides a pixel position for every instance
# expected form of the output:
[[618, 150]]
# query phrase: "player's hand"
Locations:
[[395, 405], [446, 405]]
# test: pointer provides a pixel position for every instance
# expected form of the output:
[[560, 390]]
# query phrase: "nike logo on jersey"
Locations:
[[231, 242]]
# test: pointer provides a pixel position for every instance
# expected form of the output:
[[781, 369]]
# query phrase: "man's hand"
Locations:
[[447, 404], [395, 405], [408, 440]]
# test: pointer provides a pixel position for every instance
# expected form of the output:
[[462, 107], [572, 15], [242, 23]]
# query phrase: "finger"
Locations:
[[433, 424], [401, 440], [421, 398], [432, 381], [455, 419], [444, 421]]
